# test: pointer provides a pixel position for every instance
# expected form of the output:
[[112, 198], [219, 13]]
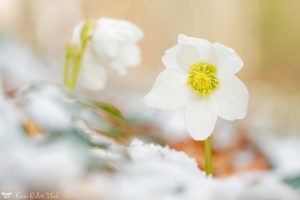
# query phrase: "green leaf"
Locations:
[[98, 116]]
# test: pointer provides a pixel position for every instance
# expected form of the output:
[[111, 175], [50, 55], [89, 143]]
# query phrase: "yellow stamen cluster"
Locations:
[[202, 78]]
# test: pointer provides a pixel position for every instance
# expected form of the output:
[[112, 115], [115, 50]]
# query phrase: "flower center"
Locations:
[[202, 78]]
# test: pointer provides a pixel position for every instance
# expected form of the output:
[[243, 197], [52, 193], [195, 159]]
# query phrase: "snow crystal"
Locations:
[[157, 172], [26, 163], [45, 106], [160, 173]]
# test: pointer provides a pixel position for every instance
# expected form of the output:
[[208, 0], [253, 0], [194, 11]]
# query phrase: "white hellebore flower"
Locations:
[[200, 77], [113, 45]]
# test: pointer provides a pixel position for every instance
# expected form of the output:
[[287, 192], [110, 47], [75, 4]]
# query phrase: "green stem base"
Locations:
[[208, 156]]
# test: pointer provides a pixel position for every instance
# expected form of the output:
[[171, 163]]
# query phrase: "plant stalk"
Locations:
[[208, 156]]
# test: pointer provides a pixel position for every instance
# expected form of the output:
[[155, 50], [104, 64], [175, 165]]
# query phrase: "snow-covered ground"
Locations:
[[91, 167]]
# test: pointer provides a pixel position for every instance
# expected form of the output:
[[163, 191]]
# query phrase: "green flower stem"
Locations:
[[208, 156], [76, 59], [76, 69], [75, 55], [67, 68]]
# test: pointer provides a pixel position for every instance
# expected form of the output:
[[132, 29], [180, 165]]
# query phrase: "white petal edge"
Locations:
[[122, 27], [130, 56], [225, 59], [76, 36], [169, 58], [200, 119], [169, 91], [202, 45], [230, 101], [181, 57], [92, 76]]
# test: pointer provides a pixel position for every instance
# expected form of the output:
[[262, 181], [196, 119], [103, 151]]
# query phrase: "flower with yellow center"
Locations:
[[200, 77]]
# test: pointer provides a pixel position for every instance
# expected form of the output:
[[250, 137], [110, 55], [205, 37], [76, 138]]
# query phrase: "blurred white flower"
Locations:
[[200, 77], [113, 45]]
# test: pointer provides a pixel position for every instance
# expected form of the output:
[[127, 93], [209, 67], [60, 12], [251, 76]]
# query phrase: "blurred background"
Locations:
[[266, 34]]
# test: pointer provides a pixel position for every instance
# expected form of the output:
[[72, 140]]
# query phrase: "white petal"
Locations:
[[188, 51], [202, 45], [169, 58], [114, 43], [225, 59], [231, 99], [119, 29], [187, 55], [130, 56], [180, 56], [105, 47], [169, 91], [200, 119], [92, 76]]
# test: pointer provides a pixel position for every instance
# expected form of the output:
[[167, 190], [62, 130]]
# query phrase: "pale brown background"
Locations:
[[266, 34]]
